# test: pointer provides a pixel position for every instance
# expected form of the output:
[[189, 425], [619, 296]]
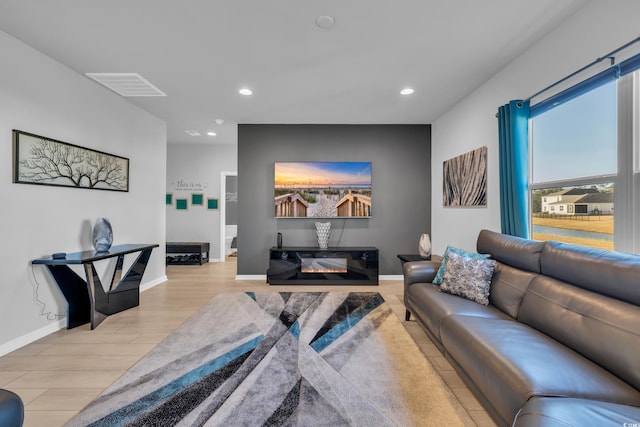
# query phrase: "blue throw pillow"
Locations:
[[443, 265]]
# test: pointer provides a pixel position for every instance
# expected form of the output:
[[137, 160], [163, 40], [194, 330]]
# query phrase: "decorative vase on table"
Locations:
[[322, 231], [102, 235], [424, 246]]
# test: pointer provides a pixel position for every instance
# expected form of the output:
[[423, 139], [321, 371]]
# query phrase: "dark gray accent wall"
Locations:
[[401, 197]]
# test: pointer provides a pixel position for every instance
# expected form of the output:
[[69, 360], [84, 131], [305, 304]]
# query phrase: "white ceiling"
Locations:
[[200, 52]]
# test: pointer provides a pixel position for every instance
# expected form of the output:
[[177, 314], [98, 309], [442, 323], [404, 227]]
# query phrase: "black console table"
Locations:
[[87, 301], [331, 266]]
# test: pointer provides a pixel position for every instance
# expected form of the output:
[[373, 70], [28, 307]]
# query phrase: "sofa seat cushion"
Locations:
[[434, 305], [564, 412], [511, 360]]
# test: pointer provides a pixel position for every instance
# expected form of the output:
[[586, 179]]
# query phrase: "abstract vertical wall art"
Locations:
[[464, 179]]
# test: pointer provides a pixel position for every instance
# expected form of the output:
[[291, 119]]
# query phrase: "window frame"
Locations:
[[626, 180]]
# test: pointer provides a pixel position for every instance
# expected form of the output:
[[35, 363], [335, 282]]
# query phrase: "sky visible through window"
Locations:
[[577, 139]]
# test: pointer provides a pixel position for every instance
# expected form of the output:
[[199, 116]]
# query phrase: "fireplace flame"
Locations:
[[323, 270]]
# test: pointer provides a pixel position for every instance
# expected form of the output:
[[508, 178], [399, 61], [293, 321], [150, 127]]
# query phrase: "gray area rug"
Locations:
[[281, 359]]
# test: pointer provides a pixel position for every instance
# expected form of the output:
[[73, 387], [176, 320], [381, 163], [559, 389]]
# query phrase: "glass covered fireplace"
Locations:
[[314, 266], [323, 265]]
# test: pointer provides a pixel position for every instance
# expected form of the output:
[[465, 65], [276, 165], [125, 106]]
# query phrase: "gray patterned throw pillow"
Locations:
[[468, 277], [445, 258]]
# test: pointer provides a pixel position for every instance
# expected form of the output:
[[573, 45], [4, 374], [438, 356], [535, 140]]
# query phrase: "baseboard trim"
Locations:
[[148, 285], [264, 277], [55, 326], [32, 336]]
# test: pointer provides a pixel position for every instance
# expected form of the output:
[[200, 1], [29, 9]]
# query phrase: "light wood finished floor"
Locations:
[[60, 374]]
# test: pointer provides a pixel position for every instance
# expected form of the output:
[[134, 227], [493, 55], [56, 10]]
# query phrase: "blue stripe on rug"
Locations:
[[350, 304], [349, 322], [295, 330], [130, 412]]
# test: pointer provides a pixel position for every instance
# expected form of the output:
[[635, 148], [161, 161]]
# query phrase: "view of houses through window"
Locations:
[[573, 170], [581, 150], [582, 215]]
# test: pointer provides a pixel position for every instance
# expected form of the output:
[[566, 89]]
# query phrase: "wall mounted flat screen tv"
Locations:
[[322, 190]]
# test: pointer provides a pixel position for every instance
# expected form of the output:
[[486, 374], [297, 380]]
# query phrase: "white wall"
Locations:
[[197, 165], [41, 96], [598, 28]]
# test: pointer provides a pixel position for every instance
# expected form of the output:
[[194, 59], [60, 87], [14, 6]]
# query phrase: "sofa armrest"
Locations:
[[11, 409], [419, 272]]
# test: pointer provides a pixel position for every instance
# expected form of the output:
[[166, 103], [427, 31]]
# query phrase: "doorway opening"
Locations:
[[228, 214]]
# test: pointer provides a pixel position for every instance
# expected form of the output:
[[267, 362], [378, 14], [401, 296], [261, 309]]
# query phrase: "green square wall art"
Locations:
[[196, 199], [181, 204], [169, 199], [212, 203]]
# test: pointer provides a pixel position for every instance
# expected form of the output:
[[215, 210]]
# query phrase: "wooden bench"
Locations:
[[191, 253]]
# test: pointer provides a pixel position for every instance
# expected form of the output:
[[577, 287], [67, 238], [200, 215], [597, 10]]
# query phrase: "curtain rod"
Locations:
[[610, 56]]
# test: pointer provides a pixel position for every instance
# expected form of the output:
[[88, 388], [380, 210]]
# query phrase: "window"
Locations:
[[584, 154], [575, 225], [577, 139]]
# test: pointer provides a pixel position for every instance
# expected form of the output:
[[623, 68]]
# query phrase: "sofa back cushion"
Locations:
[[508, 286], [602, 329], [610, 273], [510, 250]]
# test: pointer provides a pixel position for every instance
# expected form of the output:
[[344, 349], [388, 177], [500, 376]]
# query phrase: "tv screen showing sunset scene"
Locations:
[[322, 189]]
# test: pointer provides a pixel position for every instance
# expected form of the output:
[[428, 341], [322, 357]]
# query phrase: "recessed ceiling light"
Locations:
[[406, 91], [245, 91], [192, 132], [325, 21], [219, 121], [211, 133]]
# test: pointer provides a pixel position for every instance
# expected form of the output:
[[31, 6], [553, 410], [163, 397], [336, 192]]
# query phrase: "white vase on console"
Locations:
[[424, 246], [322, 231]]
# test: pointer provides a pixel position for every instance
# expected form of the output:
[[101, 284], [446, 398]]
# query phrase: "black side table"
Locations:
[[412, 257]]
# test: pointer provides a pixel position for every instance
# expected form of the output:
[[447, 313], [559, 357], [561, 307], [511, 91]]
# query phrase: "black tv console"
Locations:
[[331, 266]]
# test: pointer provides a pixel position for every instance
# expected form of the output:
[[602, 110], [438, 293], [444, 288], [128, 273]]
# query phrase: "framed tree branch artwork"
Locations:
[[464, 180], [44, 161]]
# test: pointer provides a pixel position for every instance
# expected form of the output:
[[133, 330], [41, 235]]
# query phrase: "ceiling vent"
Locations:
[[126, 84]]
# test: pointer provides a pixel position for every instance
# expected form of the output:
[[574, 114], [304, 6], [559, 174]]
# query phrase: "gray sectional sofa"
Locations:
[[559, 342], [11, 409]]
